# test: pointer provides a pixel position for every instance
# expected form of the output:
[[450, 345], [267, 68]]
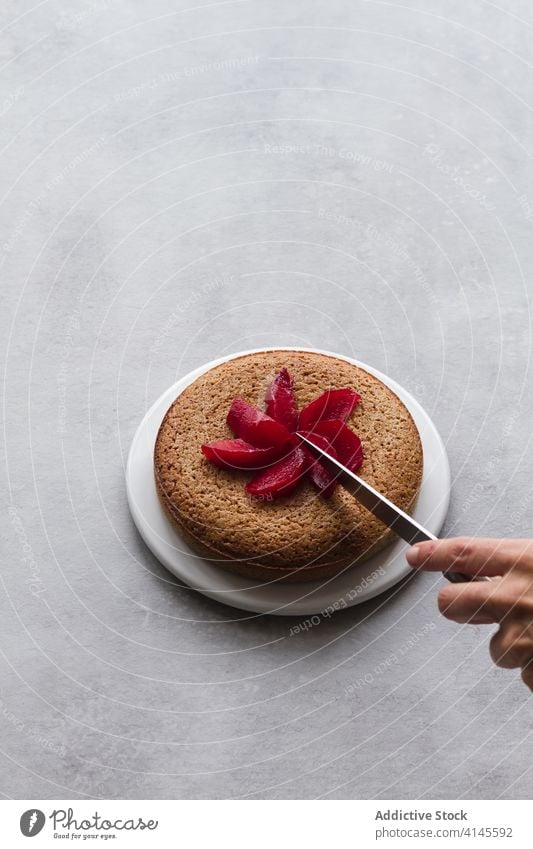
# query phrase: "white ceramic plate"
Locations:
[[351, 587]]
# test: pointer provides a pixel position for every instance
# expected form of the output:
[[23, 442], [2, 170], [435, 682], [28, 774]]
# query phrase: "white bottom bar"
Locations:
[[267, 824]]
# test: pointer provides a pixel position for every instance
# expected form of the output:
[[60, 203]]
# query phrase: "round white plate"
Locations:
[[351, 587]]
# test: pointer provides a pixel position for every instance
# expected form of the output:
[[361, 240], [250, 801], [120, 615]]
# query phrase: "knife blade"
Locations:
[[379, 505]]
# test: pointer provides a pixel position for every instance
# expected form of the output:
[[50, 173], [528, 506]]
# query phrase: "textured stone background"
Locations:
[[178, 183]]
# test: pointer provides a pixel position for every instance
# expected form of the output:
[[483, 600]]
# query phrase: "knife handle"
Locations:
[[461, 578]]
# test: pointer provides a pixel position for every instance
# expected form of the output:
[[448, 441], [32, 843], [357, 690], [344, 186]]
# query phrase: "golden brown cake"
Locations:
[[301, 536]]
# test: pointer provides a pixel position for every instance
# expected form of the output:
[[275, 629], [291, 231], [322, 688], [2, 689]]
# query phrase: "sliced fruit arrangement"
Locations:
[[281, 401], [332, 404], [256, 427], [237, 454], [267, 442]]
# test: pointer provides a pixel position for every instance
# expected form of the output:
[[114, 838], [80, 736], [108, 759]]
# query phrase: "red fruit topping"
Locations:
[[321, 442], [268, 441], [324, 480], [345, 442], [280, 400], [255, 427], [332, 404], [235, 454], [281, 478]]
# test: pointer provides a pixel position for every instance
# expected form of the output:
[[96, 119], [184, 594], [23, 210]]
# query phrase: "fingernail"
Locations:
[[414, 555]]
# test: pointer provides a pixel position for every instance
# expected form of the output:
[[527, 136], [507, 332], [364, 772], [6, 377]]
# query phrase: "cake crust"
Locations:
[[301, 536]]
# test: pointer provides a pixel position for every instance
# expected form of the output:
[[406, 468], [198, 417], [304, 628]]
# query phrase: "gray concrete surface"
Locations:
[[184, 180]]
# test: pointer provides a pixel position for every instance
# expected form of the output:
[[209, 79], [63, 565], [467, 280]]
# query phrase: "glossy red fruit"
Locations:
[[324, 480], [255, 427], [281, 478], [232, 454], [281, 402], [345, 442], [268, 441], [332, 404]]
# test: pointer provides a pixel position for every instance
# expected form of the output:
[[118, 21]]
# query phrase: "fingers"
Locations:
[[470, 555], [527, 675], [510, 646], [470, 602], [506, 599], [493, 601]]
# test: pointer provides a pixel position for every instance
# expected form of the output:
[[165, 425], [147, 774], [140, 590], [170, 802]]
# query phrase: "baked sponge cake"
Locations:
[[301, 535]]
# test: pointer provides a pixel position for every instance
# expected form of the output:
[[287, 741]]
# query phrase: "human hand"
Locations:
[[506, 599]]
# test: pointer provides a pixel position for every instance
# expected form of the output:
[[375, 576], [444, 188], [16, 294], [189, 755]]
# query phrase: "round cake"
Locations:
[[302, 535]]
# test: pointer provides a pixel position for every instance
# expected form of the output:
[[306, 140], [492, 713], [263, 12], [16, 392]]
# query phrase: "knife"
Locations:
[[382, 508]]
